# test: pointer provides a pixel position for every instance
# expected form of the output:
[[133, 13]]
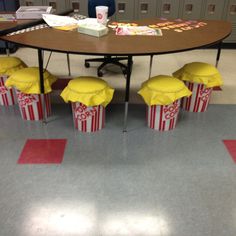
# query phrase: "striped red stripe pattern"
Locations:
[[32, 105], [88, 119], [199, 100], [7, 95], [164, 117]]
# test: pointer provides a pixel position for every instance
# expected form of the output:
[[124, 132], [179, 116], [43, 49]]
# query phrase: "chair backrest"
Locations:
[[93, 3]]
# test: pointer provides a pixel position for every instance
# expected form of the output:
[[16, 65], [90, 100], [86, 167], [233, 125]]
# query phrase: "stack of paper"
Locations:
[[60, 22], [91, 27]]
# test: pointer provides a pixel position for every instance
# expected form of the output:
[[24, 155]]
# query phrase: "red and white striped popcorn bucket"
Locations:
[[199, 100], [7, 95], [163, 117], [31, 105], [88, 119]]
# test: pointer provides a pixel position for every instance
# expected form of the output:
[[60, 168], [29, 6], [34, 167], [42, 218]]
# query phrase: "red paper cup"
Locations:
[[88, 119], [31, 105], [199, 100], [7, 95], [163, 117]]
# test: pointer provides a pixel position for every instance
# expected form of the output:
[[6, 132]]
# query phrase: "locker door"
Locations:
[[232, 37], [57, 5], [213, 9], [31, 2], [230, 15], [191, 9], [79, 6], [145, 9], [231, 10], [124, 10], [169, 8]]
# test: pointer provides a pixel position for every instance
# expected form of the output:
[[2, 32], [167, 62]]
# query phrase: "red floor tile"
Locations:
[[43, 151], [231, 147]]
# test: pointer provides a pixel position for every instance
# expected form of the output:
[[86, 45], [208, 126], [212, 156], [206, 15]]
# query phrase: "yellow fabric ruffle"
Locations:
[[9, 65], [90, 91], [201, 73], [163, 90], [27, 80]]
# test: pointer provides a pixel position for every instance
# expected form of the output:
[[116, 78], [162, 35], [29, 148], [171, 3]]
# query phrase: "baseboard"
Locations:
[[223, 46]]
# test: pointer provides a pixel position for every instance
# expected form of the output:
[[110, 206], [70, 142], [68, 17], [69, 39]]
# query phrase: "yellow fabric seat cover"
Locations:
[[90, 91], [163, 90], [27, 80], [201, 73], [9, 65]]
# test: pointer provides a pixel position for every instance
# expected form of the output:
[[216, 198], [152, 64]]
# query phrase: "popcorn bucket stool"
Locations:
[[89, 96], [162, 95], [8, 65], [200, 78], [33, 105]]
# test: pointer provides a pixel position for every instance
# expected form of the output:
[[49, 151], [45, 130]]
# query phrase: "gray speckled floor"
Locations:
[[143, 182]]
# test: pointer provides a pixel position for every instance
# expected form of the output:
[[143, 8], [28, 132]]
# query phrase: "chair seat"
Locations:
[[163, 90], [27, 80], [9, 65], [90, 91], [201, 73]]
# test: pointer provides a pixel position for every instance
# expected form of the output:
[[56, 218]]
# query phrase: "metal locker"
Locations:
[[31, 2], [58, 5], [213, 9], [230, 15], [124, 10], [191, 9], [230, 10], [232, 37], [80, 6], [145, 9], [168, 8]]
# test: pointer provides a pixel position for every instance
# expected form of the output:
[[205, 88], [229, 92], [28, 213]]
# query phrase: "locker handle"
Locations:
[[166, 7], [53, 5], [189, 8], [121, 7], [232, 10], [29, 3], [144, 8], [211, 8], [75, 6]]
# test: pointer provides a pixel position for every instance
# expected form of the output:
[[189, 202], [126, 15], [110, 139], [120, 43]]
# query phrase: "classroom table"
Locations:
[[193, 34]]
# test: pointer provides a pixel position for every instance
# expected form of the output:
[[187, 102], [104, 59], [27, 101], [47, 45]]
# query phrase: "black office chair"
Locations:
[[107, 59]]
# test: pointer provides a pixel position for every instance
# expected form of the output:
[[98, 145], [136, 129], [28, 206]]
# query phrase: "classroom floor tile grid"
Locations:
[[109, 183]]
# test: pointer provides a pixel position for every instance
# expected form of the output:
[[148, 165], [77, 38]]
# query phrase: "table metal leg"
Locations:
[[49, 57], [41, 70], [7, 49], [68, 64], [150, 66], [127, 90], [218, 53]]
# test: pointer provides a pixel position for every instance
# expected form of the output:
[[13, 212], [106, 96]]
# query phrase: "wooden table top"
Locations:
[[210, 32]]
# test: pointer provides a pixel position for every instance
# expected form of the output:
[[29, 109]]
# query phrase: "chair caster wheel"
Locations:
[[124, 71], [86, 64], [99, 74]]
